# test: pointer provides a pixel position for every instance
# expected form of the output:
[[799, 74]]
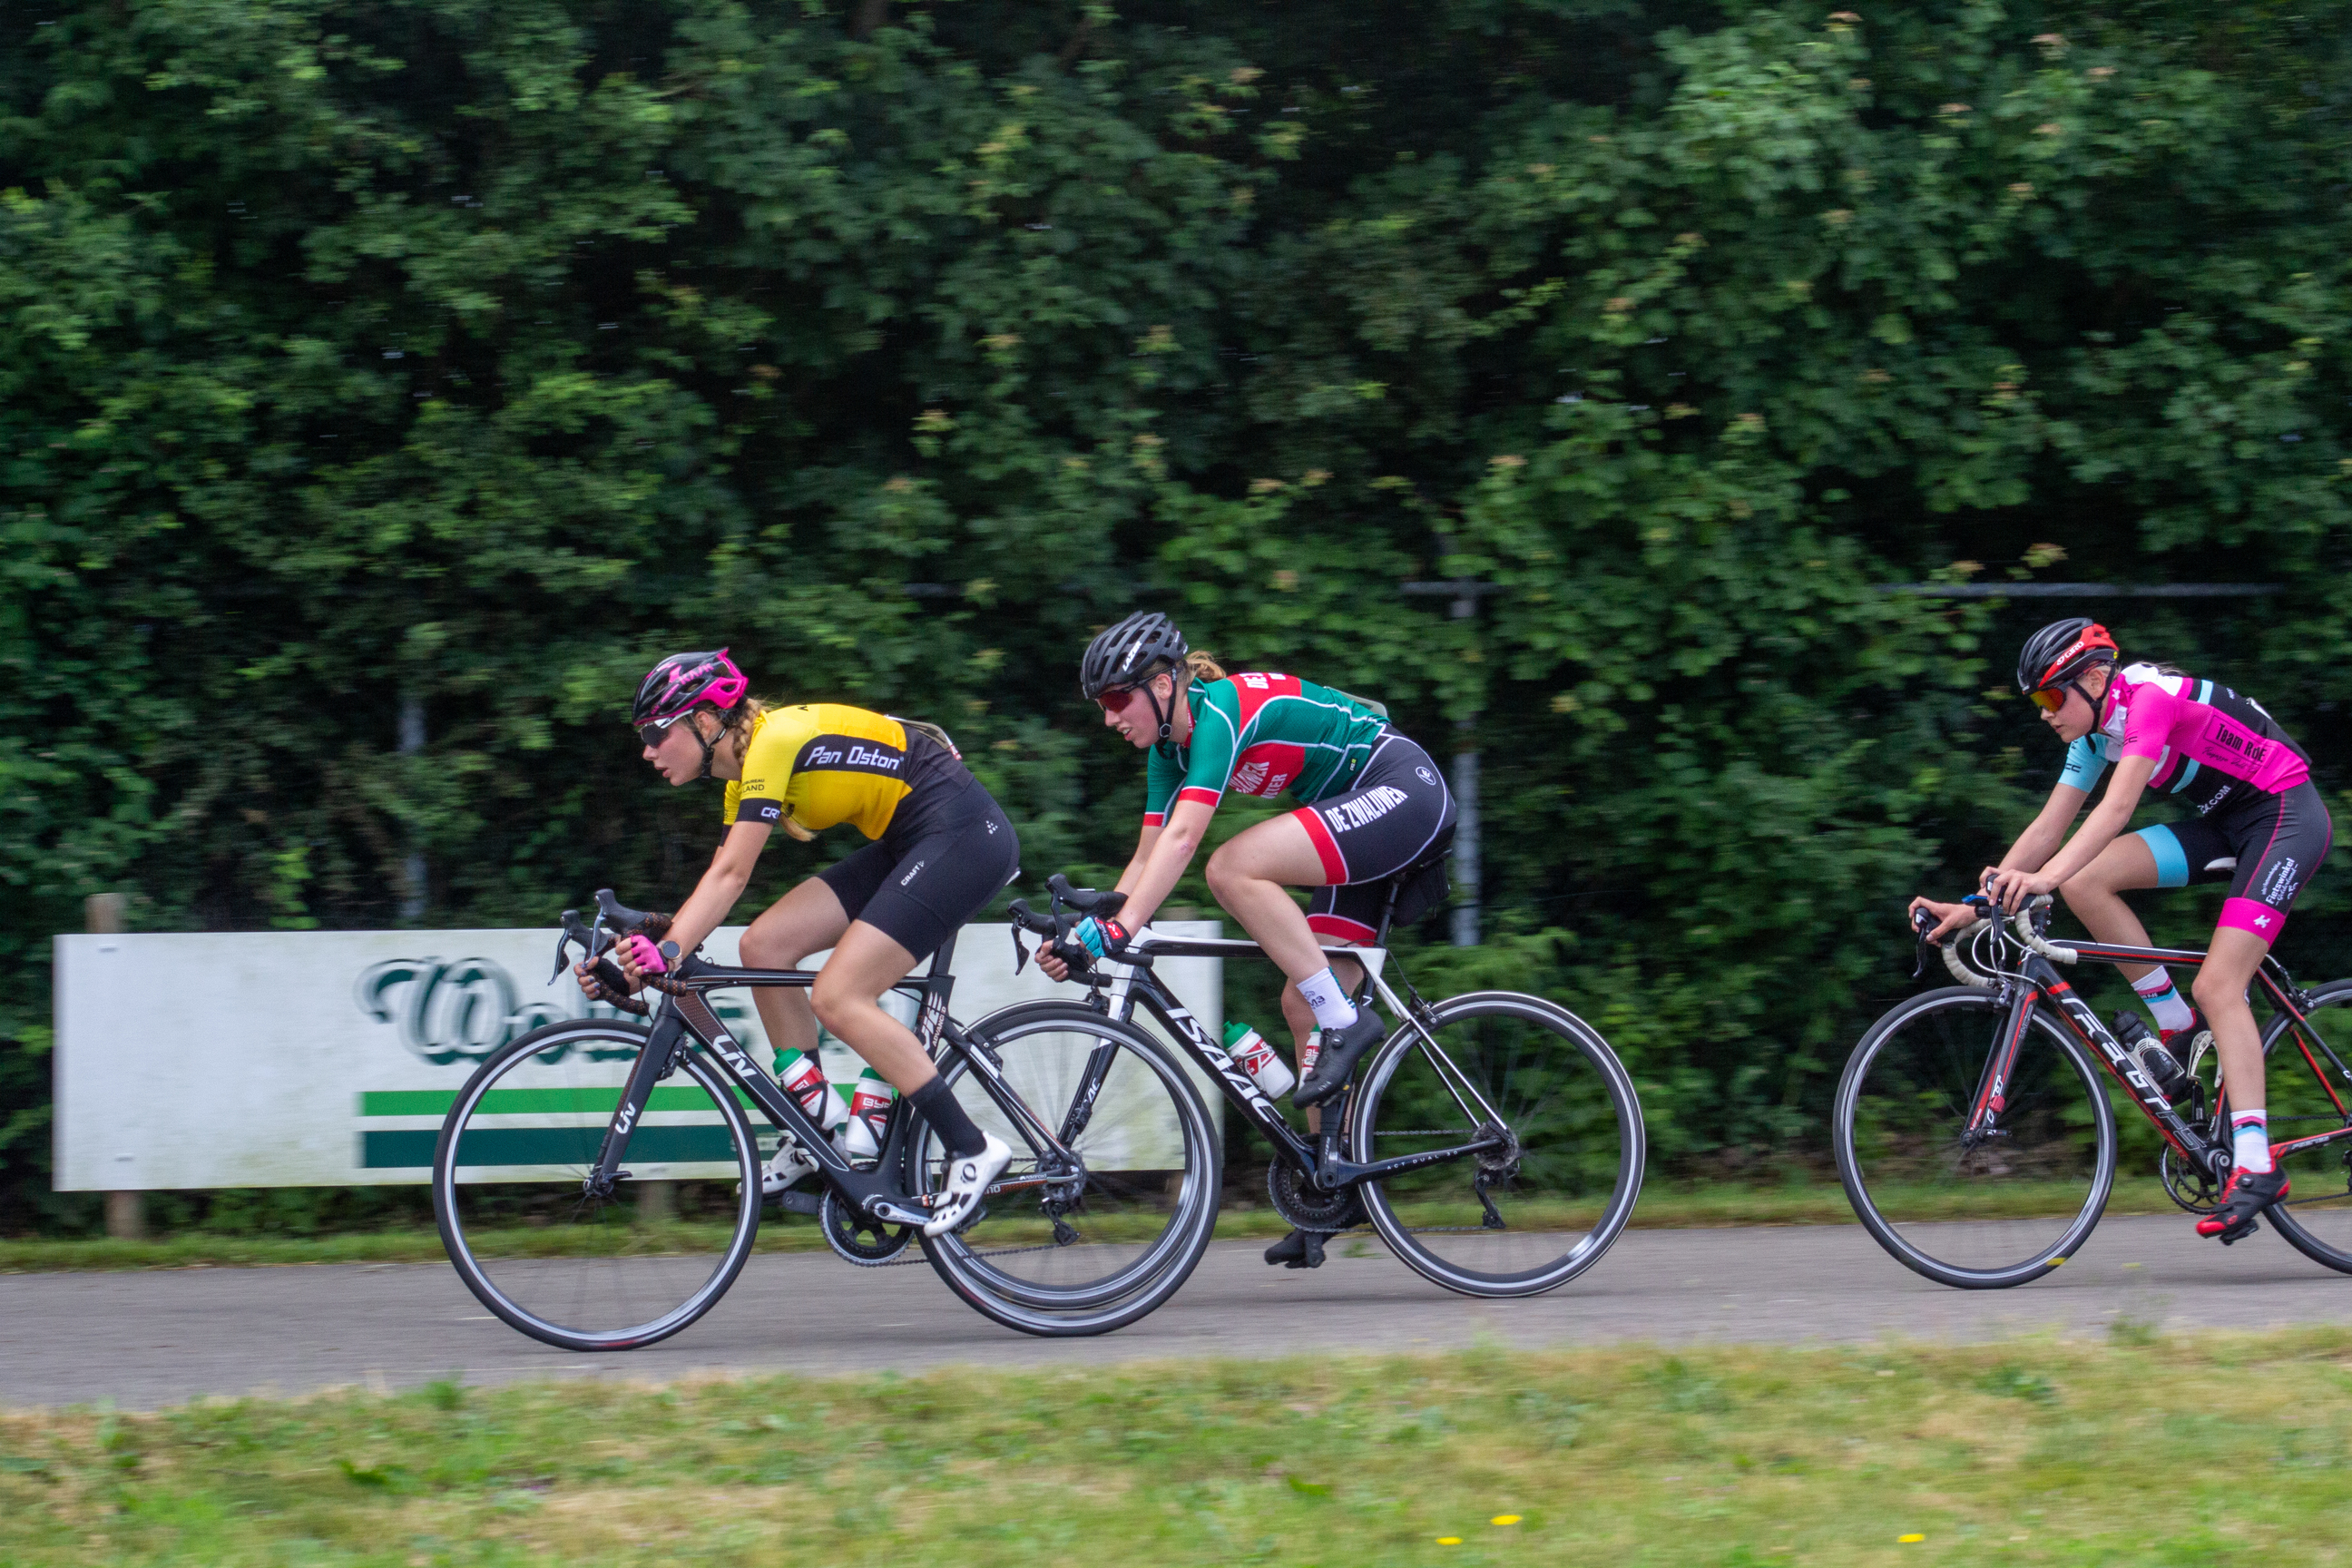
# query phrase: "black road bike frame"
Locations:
[[2043, 982], [683, 1019], [1319, 1158]]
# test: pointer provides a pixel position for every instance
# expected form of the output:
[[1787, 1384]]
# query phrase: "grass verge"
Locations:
[[1663, 1205], [2033, 1451]]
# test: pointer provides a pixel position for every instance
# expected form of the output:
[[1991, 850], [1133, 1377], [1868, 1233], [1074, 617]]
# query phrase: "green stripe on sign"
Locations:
[[532, 1101], [546, 1146]]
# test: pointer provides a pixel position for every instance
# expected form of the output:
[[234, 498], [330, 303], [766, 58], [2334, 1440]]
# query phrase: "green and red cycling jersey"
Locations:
[[1263, 734]]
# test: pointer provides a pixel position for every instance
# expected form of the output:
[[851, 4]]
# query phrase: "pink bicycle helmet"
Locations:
[[681, 684]]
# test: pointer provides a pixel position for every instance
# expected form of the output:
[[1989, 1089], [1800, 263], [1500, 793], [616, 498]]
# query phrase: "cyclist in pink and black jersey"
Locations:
[[2261, 824], [1374, 803]]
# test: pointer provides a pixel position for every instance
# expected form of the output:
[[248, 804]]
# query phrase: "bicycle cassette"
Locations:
[[1308, 1206], [860, 1238]]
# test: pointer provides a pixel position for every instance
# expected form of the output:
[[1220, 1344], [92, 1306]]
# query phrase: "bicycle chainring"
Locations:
[[2187, 1186], [1308, 1206], [860, 1238]]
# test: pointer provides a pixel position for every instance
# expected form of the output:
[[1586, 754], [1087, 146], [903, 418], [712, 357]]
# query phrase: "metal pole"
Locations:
[[108, 914], [411, 743], [1466, 835]]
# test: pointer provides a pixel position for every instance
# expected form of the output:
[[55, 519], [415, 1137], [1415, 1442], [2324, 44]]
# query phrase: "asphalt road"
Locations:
[[150, 1339]]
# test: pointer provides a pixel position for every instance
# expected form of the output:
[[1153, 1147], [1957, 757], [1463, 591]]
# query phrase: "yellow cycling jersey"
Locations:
[[820, 763]]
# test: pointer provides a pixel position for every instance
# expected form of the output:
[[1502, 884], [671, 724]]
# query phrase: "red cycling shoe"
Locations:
[[2247, 1195]]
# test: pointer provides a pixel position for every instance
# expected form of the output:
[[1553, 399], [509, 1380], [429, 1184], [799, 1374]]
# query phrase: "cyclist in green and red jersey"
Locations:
[[1374, 803]]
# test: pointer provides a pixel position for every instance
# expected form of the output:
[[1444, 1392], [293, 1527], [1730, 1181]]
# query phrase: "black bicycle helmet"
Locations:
[[1129, 655], [2060, 650], [682, 683]]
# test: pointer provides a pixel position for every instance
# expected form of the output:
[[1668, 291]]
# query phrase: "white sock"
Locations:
[[1329, 998], [2156, 989], [2249, 1142]]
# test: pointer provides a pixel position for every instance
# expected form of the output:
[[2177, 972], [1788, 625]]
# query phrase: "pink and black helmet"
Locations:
[[685, 681]]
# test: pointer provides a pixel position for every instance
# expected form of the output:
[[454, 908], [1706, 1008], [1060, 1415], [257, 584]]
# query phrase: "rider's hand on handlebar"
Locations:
[[2012, 888], [1054, 968], [1949, 919]]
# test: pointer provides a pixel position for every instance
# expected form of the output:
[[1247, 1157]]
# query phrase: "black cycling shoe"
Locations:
[[2247, 1195], [1341, 1053], [1299, 1250]]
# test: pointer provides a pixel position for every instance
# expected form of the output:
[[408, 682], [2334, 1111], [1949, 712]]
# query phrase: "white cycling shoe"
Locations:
[[790, 1163], [968, 1179]]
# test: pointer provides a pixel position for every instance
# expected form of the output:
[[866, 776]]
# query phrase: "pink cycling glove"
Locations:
[[645, 954]]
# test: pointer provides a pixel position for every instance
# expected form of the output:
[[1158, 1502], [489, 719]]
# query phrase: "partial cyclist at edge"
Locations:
[[942, 848], [1372, 804], [2259, 824]]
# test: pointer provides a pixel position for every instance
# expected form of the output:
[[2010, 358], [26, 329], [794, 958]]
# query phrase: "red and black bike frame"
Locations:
[[2044, 983]]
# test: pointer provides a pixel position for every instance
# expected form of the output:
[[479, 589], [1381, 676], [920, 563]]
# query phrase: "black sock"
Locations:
[[935, 1102]]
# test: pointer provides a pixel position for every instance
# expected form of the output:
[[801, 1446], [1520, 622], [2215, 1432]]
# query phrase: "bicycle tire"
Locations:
[[1939, 1099], [1547, 1186], [1116, 1290], [560, 1126], [2317, 1218]]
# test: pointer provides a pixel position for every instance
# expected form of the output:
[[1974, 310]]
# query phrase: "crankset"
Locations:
[[1307, 1206], [2191, 1188], [858, 1237]]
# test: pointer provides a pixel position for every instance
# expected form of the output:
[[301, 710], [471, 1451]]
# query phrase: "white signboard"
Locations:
[[329, 1058]]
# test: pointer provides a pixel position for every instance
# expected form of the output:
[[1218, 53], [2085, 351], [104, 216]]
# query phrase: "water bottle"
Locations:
[[803, 1078], [2163, 1069], [869, 1111], [1266, 1069]]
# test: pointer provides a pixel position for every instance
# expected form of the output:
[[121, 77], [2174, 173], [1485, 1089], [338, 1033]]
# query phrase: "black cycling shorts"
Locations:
[[2266, 846], [919, 887], [1397, 813]]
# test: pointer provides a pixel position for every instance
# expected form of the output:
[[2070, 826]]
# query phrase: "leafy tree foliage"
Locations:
[[468, 357]]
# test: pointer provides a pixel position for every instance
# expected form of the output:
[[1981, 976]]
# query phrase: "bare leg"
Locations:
[[2221, 993], [2094, 894], [1252, 875], [807, 919], [848, 998]]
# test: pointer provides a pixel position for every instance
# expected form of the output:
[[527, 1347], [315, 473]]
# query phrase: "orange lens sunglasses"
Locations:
[[2048, 699]]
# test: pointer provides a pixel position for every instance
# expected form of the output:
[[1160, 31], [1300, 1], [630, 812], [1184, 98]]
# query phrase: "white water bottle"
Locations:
[[803, 1078], [1267, 1068], [869, 1114]]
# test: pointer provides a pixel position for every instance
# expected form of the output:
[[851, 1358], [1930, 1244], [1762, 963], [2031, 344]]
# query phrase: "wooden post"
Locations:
[[657, 1202], [107, 914]]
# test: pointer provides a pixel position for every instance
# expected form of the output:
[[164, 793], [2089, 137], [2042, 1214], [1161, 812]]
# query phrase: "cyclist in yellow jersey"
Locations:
[[941, 850]]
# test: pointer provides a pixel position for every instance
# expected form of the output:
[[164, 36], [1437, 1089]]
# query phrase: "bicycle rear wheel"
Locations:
[[2317, 1218], [1542, 1205], [1979, 1214], [1100, 1250], [560, 1264]]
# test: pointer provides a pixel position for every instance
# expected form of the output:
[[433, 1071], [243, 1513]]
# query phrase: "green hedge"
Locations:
[[471, 355]]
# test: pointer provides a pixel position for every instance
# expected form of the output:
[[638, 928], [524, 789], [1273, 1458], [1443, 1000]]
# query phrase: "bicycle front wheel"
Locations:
[[1560, 1127], [566, 1266], [2006, 1205], [1100, 1250], [2316, 1217]]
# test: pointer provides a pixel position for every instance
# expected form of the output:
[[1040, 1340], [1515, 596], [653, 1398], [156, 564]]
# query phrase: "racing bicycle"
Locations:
[[1976, 1140], [597, 1182], [1494, 1142]]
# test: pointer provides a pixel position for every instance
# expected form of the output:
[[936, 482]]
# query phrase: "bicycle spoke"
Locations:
[[1991, 1205], [1560, 1134], [569, 1266], [2318, 1214]]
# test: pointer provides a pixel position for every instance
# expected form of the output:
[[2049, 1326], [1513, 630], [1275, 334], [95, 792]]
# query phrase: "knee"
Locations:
[[2079, 891], [2211, 990], [1225, 871], [833, 1000], [761, 949]]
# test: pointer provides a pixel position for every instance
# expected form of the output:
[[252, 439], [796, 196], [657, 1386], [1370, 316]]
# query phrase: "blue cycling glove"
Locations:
[[1104, 939]]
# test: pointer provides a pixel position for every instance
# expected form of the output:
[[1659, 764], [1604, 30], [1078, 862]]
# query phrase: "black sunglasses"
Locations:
[[653, 734]]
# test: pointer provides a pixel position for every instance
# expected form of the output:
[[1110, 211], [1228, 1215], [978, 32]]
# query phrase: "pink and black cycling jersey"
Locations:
[[2211, 746], [1265, 734]]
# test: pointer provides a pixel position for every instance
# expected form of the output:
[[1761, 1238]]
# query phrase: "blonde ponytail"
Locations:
[[1203, 666]]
